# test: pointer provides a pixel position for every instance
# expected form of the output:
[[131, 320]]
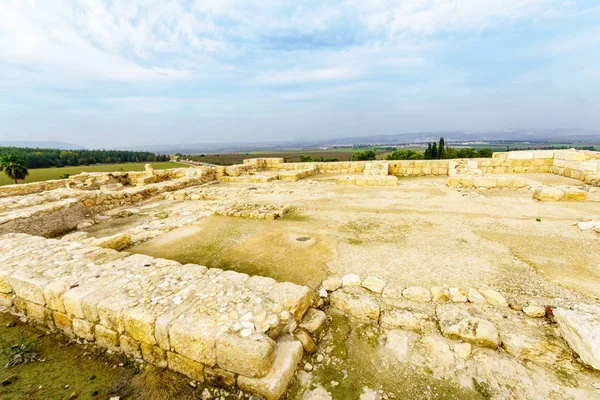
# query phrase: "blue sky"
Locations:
[[113, 73]]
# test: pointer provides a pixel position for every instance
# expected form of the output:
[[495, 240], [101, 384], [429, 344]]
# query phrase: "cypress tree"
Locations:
[[434, 151], [428, 152], [441, 148]]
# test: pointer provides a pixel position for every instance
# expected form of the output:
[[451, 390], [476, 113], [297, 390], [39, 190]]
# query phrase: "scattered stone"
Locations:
[[588, 225], [439, 294], [332, 284], [73, 395], [474, 330], [475, 296], [493, 297], [458, 295], [392, 292], [417, 293], [307, 341], [534, 311], [320, 358], [308, 367], [581, 330], [373, 284], [313, 321], [351, 280], [319, 393]]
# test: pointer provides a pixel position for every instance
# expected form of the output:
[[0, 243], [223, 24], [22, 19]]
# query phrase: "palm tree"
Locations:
[[14, 167]]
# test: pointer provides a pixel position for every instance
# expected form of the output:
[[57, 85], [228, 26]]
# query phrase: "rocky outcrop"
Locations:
[[580, 328]]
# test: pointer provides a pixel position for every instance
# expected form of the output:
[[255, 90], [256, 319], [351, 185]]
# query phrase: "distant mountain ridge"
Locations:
[[42, 145]]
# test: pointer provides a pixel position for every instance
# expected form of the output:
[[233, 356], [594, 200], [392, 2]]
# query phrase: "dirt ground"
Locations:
[[419, 233]]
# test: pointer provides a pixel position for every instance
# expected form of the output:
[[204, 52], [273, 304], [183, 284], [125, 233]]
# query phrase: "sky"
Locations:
[[115, 73]]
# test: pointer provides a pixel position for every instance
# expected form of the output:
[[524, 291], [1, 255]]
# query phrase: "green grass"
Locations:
[[44, 174]]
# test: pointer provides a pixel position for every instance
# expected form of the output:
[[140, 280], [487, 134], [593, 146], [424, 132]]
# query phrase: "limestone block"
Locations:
[[218, 377], [581, 331], [139, 323], [535, 348], [106, 338], [485, 182], [477, 331], [245, 356], [294, 297], [27, 287], [313, 321], [63, 323], [462, 350], [6, 301], [548, 194], [53, 293], [194, 337], [493, 297], [534, 311], [520, 155], [400, 344], [572, 194], [130, 347], [417, 293], [117, 242], [351, 280], [288, 354], [154, 355], [332, 284], [373, 284], [190, 368], [356, 302], [110, 312], [83, 329], [403, 319], [5, 286], [308, 344], [39, 314], [392, 292]]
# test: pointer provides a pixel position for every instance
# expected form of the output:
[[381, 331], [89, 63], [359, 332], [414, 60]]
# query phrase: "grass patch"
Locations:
[[45, 174], [23, 351]]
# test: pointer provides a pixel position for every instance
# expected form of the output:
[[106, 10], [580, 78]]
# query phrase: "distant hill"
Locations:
[[566, 136], [43, 145]]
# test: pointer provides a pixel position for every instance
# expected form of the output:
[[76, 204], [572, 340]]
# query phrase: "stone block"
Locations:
[[581, 331], [29, 287], [403, 319], [139, 323], [154, 355], [245, 356], [417, 293], [218, 377], [356, 302], [130, 346], [53, 293], [83, 329], [107, 338], [288, 354], [6, 301], [39, 314], [294, 297], [183, 365], [548, 194], [313, 321], [63, 323], [572, 194], [520, 155], [485, 182], [194, 337], [118, 242], [373, 284]]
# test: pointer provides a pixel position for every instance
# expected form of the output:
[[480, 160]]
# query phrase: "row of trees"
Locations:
[[439, 151], [46, 158]]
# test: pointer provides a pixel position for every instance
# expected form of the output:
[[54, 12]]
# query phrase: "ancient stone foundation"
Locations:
[[197, 321]]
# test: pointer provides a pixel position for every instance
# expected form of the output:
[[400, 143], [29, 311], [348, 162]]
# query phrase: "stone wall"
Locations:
[[204, 323]]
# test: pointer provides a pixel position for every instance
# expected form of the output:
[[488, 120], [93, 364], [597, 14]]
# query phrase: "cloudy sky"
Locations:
[[105, 73]]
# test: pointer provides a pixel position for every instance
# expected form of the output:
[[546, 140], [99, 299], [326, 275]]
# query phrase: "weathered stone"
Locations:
[[53, 293], [154, 355], [474, 330], [294, 297], [493, 297], [581, 330], [332, 284], [534, 311], [308, 344], [439, 294], [28, 287], [130, 347], [458, 295], [190, 368], [83, 329], [475, 296], [574, 194], [392, 292], [373, 284], [63, 322], [351, 280], [194, 337], [356, 302], [313, 321], [248, 357], [436, 351], [106, 338], [139, 323], [548, 194], [403, 319], [417, 293], [535, 348], [219, 377], [118, 242], [288, 354], [75, 236]]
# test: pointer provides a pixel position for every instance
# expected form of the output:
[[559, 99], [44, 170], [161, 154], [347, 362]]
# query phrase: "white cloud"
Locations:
[[300, 76]]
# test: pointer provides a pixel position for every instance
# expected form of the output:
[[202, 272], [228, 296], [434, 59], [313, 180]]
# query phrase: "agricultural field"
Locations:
[[44, 174], [344, 154]]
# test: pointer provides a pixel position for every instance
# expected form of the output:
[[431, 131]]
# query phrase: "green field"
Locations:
[[44, 174]]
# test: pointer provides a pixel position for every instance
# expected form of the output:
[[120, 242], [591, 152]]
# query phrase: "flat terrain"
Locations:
[[44, 174], [288, 155]]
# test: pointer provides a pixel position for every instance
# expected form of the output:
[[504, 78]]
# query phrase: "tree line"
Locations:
[[47, 158], [439, 151]]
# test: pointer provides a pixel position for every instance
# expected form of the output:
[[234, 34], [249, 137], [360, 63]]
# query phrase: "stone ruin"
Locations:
[[251, 332]]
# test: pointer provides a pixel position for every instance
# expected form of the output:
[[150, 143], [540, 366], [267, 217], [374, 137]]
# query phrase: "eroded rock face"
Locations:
[[581, 330]]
